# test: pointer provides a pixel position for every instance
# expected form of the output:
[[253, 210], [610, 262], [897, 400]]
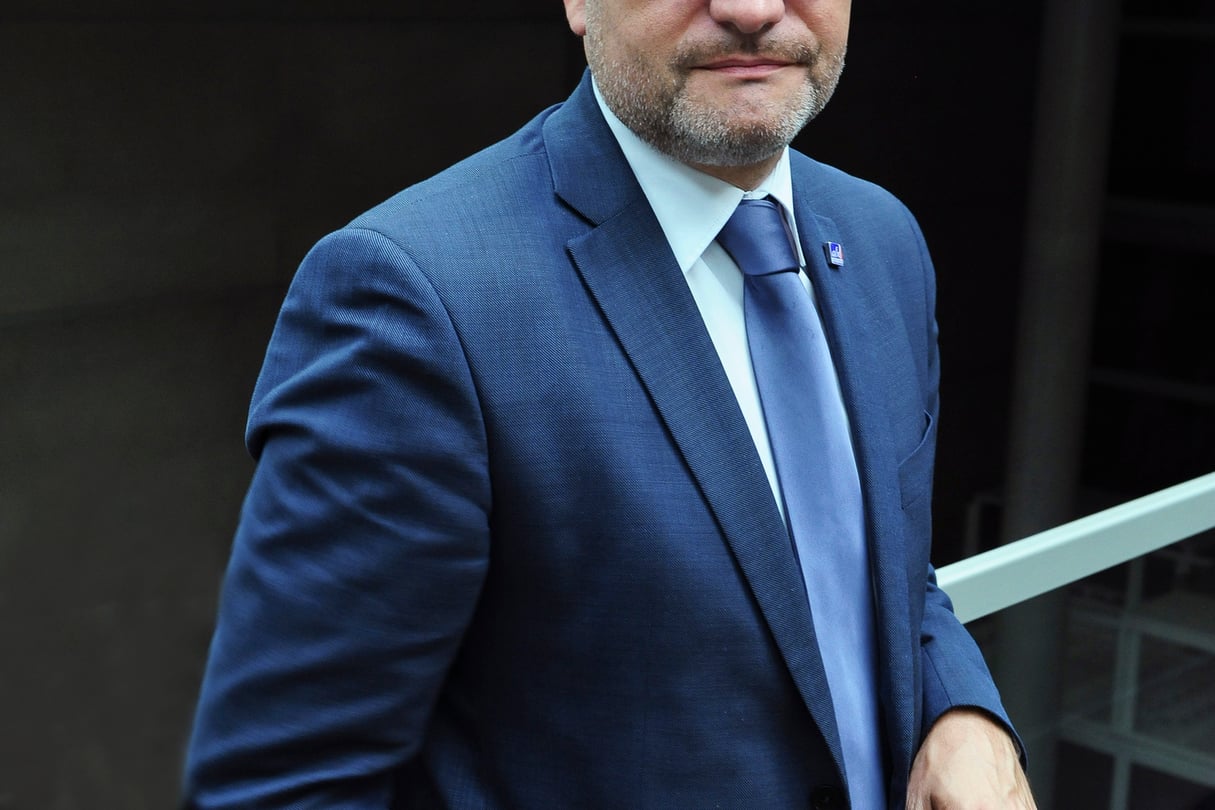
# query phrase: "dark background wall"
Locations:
[[163, 171]]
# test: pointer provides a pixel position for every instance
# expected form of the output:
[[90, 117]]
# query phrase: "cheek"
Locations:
[[827, 19]]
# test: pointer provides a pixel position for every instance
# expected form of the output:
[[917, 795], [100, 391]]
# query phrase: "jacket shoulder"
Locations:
[[496, 179], [830, 189]]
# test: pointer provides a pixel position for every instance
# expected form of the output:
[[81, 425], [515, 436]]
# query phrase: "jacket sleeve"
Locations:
[[954, 674], [362, 544]]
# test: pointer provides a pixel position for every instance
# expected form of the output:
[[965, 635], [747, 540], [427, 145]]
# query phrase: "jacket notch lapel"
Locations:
[[628, 268], [631, 274]]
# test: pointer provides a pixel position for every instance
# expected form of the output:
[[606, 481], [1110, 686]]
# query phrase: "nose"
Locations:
[[748, 16]]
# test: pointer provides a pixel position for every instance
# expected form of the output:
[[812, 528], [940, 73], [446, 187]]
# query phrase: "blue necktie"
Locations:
[[808, 432]]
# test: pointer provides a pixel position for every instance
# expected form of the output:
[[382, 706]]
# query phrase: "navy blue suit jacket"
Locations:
[[509, 542]]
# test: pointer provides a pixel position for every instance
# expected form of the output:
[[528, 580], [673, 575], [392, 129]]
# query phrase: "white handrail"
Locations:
[[996, 579]]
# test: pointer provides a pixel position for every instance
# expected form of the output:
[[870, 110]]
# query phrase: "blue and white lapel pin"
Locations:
[[835, 253]]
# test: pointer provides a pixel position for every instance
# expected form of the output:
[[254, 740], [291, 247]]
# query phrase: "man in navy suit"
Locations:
[[516, 537]]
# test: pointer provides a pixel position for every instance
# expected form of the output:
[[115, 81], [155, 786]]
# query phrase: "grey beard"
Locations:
[[668, 120]]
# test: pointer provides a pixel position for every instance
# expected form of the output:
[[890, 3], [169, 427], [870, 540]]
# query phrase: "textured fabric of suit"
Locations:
[[509, 543]]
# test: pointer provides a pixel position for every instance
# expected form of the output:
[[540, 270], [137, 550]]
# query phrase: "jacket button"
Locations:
[[827, 798]]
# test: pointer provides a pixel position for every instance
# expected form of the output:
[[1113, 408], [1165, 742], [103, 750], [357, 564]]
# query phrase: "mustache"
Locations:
[[761, 46]]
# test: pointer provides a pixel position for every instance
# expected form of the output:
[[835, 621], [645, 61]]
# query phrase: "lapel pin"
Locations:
[[835, 253]]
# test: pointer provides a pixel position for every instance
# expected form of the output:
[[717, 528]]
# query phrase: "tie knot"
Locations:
[[758, 240]]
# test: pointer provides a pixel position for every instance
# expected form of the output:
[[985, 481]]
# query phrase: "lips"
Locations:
[[745, 67], [745, 62]]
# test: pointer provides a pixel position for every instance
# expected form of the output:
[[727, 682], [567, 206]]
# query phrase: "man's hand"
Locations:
[[968, 762]]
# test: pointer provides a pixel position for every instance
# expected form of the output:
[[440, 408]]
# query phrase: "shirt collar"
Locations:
[[691, 206]]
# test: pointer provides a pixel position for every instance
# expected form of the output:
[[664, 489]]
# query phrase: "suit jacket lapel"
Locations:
[[627, 265], [857, 311]]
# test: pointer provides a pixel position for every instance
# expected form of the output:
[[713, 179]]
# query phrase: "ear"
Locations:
[[575, 14]]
